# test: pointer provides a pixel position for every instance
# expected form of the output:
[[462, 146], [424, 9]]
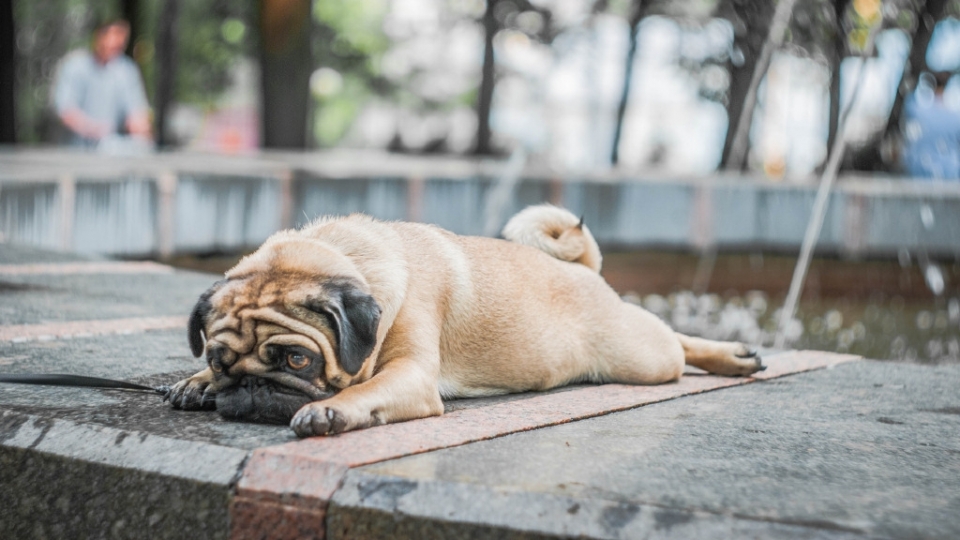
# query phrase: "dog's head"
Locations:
[[292, 323]]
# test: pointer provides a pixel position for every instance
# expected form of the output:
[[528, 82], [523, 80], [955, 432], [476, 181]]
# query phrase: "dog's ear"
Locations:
[[354, 316], [198, 319]]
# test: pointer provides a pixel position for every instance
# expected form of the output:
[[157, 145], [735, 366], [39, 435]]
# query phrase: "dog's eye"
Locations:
[[297, 361]]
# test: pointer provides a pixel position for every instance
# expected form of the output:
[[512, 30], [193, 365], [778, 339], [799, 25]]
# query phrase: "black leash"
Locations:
[[63, 379], [66, 379]]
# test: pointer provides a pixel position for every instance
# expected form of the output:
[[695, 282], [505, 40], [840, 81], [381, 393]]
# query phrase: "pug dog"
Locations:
[[352, 322]]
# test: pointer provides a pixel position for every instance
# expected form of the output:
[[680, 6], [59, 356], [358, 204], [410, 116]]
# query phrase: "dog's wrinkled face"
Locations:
[[281, 332], [256, 399]]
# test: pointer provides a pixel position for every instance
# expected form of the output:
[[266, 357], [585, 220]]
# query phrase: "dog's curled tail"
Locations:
[[556, 232]]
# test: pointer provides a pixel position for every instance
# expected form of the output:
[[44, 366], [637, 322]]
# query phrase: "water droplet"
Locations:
[[934, 278], [953, 310], [953, 348], [844, 339], [815, 326], [757, 303], [898, 346], [859, 330], [924, 320], [926, 216], [736, 57], [793, 330], [834, 320], [940, 320], [656, 303], [904, 257]]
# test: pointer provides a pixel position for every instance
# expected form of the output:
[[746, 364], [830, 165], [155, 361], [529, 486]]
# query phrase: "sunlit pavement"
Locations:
[[818, 445]]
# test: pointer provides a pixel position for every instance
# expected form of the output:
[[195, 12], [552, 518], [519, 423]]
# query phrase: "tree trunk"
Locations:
[[166, 67], [286, 63], [839, 48], [130, 11], [751, 22], [737, 150], [487, 82], [916, 62], [8, 127], [636, 16], [737, 94]]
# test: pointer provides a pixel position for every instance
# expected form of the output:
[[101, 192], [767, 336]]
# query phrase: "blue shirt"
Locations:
[[932, 134], [107, 93]]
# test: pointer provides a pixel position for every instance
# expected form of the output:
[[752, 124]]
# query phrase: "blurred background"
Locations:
[[691, 134]]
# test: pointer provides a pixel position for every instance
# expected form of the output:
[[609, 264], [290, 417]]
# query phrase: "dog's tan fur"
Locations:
[[459, 316]]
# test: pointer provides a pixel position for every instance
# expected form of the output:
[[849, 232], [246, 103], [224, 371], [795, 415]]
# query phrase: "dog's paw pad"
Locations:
[[312, 421], [338, 424]]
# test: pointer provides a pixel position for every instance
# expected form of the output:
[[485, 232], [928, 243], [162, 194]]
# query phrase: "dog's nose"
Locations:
[[252, 382]]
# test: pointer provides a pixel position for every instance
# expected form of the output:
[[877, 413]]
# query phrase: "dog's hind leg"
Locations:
[[720, 357]]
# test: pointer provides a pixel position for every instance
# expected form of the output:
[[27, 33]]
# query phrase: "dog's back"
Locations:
[[556, 232]]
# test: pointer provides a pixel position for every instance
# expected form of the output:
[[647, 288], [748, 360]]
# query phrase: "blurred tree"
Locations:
[[638, 10], [286, 63], [928, 16], [838, 40], [487, 80], [917, 18], [166, 66], [7, 70], [500, 15], [212, 37], [751, 25], [349, 43], [132, 12], [45, 31]]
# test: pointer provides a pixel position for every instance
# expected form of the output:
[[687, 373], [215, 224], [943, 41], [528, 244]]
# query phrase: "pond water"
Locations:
[[901, 309], [882, 309]]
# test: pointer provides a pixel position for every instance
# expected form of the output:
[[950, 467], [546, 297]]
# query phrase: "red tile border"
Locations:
[[267, 521], [290, 479], [93, 267], [20, 333], [306, 473]]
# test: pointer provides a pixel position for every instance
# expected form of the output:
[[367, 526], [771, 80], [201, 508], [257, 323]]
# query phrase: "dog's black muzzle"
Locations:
[[255, 399]]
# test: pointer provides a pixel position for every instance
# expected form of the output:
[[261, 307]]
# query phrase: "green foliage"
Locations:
[[348, 38], [336, 114], [210, 39]]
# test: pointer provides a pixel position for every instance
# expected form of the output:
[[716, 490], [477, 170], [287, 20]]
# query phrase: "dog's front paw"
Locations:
[[192, 394], [315, 419], [326, 418]]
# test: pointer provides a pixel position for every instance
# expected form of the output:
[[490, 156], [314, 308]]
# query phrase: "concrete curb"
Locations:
[[110, 482]]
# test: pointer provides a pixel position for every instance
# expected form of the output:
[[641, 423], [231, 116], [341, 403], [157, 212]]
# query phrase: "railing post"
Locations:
[[67, 193], [166, 213]]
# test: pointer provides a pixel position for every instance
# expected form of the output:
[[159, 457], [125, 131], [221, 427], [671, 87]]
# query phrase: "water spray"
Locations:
[[820, 203]]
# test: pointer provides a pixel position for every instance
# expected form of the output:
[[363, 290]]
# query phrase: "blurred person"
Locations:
[[932, 132], [99, 94]]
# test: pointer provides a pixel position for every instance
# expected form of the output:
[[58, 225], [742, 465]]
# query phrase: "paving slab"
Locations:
[[80, 291], [777, 455], [866, 449]]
